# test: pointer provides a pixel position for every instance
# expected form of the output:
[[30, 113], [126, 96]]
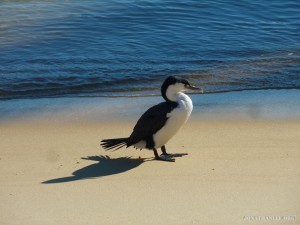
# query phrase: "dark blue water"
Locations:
[[124, 47]]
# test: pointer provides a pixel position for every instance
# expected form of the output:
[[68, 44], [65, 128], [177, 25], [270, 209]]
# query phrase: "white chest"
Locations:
[[176, 119]]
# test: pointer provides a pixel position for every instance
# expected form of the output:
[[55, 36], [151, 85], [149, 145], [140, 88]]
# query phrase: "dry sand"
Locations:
[[236, 172]]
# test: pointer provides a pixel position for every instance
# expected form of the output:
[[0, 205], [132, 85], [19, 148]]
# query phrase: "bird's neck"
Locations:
[[177, 96], [172, 94], [185, 104]]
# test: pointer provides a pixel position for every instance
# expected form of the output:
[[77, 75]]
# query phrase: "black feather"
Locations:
[[117, 143], [151, 122]]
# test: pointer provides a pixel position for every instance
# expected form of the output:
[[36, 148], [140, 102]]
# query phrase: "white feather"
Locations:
[[176, 118]]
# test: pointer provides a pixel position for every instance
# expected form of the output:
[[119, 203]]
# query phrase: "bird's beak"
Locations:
[[194, 88]]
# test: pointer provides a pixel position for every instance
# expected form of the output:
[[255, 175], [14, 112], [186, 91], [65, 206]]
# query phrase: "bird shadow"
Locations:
[[105, 166]]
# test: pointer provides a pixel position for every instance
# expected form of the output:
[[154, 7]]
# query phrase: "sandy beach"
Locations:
[[73, 73], [237, 171]]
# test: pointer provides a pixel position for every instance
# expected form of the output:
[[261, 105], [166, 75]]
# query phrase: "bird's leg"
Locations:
[[162, 157], [164, 153], [155, 153]]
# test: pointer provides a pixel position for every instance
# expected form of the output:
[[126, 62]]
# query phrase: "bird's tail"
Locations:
[[115, 144]]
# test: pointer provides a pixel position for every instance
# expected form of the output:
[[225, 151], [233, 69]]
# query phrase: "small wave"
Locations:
[[261, 73], [124, 48]]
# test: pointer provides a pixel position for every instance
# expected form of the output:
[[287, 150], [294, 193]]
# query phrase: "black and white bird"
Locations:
[[161, 122]]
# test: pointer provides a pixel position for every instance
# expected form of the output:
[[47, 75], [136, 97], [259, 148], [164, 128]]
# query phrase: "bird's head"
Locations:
[[173, 85]]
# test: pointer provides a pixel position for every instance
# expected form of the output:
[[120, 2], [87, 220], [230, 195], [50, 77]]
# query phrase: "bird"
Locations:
[[161, 122]]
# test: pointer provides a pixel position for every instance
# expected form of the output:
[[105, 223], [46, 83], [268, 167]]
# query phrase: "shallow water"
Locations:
[[259, 104], [125, 47]]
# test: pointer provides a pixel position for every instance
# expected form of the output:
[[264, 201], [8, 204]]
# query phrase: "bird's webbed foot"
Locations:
[[163, 157], [167, 157]]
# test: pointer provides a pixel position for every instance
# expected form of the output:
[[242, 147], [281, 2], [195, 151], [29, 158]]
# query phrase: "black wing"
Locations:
[[151, 122]]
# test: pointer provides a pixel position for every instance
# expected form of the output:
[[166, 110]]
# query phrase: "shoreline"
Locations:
[[247, 105]]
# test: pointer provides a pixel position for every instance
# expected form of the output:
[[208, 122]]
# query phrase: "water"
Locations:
[[127, 48]]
